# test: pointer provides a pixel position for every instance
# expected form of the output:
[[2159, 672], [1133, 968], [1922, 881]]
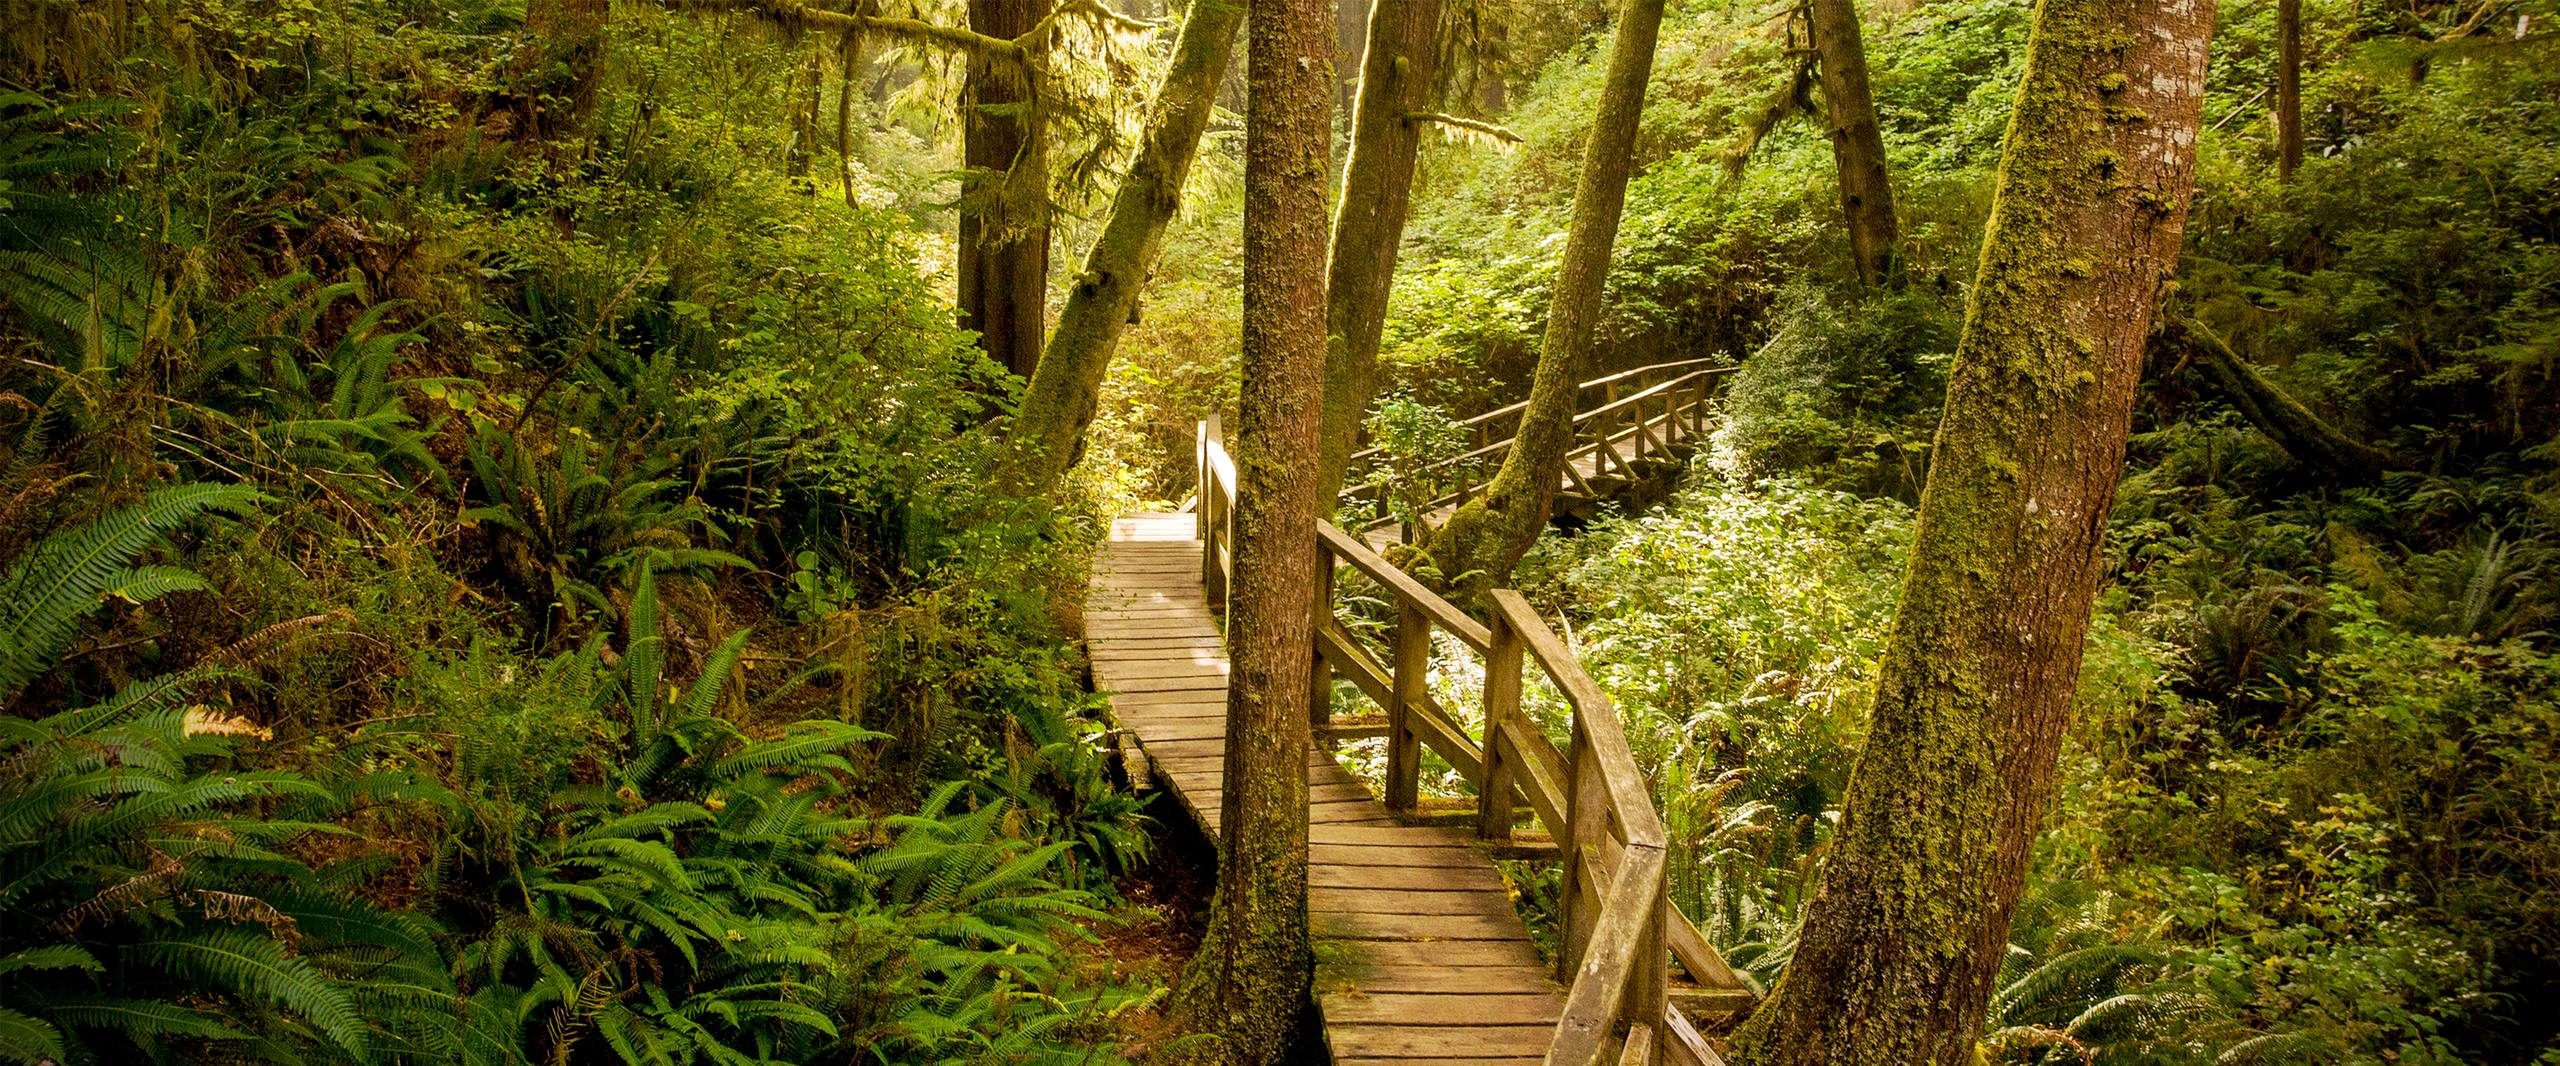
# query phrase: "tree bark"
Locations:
[[2276, 413], [1248, 982], [1488, 535], [1048, 431], [2288, 88], [1857, 142], [1396, 77], [1907, 930], [1004, 229]]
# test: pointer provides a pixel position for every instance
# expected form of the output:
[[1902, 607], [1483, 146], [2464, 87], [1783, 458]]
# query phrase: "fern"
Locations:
[[47, 593], [257, 967]]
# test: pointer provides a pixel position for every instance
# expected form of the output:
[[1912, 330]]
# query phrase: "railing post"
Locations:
[[1586, 823], [1648, 986], [1412, 667], [1320, 671], [1501, 705], [1215, 524]]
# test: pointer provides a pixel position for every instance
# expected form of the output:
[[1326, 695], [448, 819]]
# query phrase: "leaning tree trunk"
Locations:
[[1004, 229], [1491, 532], [1396, 77], [2288, 88], [1048, 431], [2276, 413], [1248, 981], [1857, 142], [1905, 934]]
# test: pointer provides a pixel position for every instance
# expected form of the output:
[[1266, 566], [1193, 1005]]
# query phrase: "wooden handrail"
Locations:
[[1620, 927], [1603, 383]]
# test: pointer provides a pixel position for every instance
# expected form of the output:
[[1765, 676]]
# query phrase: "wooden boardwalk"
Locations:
[[1421, 960]]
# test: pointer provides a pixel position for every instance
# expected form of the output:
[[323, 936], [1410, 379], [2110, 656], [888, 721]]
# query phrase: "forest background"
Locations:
[[501, 563]]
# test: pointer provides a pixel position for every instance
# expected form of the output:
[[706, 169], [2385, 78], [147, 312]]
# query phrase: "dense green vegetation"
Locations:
[[2307, 814], [497, 574], [501, 554]]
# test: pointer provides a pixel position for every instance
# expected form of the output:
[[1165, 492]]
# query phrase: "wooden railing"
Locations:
[[1620, 929], [1633, 415]]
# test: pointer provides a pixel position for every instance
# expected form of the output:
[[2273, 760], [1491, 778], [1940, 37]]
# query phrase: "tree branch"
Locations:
[[1472, 125]]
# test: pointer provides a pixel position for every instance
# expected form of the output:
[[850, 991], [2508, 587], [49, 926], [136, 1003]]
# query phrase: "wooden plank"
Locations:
[[1441, 1009], [1414, 835], [1414, 856], [1415, 1041], [1418, 927], [1477, 878], [1510, 977], [1191, 683], [1388, 901], [1526, 1060], [1179, 664], [1377, 956]]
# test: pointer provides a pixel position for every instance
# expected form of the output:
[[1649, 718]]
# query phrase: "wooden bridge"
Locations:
[[1421, 958], [1628, 425]]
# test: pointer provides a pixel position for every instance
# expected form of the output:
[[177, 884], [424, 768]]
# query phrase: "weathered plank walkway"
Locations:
[[1421, 959]]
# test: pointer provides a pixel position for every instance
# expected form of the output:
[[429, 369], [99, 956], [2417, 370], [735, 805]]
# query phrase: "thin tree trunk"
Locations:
[[1857, 142], [1396, 77], [848, 63], [1491, 532], [2288, 88], [1908, 928], [1048, 432], [1004, 229], [803, 151], [1248, 982], [2276, 413]]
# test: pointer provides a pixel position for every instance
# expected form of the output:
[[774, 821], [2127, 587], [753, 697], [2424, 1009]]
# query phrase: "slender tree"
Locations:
[[1907, 930], [1397, 72], [1004, 227], [1248, 982], [1857, 142], [1048, 432], [1490, 533], [2288, 88]]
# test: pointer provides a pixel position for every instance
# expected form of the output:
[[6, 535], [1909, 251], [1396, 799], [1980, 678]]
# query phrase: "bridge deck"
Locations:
[[1421, 960]]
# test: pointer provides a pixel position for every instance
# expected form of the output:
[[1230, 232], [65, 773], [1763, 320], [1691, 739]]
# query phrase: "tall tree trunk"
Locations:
[[1491, 532], [1004, 228], [1048, 432], [1906, 933], [2288, 88], [1396, 77], [1857, 142], [1248, 982]]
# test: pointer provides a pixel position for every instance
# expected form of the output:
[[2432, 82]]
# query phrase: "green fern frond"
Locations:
[[47, 593], [257, 967], [28, 1039], [140, 1019]]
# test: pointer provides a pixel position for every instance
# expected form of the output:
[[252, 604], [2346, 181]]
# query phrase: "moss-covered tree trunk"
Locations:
[[1857, 142], [2288, 88], [1048, 431], [1907, 930], [1004, 228], [1248, 982], [1396, 76], [1490, 533]]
